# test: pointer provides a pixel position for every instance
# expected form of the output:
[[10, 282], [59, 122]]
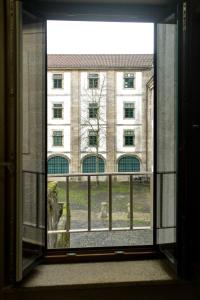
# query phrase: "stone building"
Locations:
[[98, 107]]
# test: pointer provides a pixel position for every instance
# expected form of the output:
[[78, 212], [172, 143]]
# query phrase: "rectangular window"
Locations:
[[92, 138], [57, 111], [129, 138], [93, 109], [57, 81], [129, 80], [57, 138], [93, 81], [129, 110]]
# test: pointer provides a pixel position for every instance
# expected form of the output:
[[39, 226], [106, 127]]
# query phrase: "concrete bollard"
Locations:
[[104, 210]]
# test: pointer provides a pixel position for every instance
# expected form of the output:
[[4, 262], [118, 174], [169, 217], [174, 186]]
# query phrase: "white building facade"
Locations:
[[98, 113]]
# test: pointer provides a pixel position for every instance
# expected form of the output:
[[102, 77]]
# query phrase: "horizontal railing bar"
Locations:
[[99, 174], [99, 229]]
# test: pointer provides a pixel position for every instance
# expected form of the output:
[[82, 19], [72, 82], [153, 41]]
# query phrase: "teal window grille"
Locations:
[[92, 138], [57, 111], [129, 110], [93, 109], [129, 138], [93, 81], [128, 164], [57, 138], [93, 164], [57, 81], [58, 165], [129, 80]]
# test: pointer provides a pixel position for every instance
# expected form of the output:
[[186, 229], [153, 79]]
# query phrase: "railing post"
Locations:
[[131, 202], [37, 199], [89, 203], [161, 200], [67, 204], [110, 201]]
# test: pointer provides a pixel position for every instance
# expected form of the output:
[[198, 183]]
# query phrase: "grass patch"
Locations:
[[78, 195]]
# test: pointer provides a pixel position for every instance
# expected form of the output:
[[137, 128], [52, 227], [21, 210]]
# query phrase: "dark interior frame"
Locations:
[[188, 132]]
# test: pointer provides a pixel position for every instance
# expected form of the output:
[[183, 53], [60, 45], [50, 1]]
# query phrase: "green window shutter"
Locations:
[[57, 138], [57, 111], [93, 109], [128, 164], [129, 80], [93, 81], [92, 138], [57, 81], [129, 138], [90, 165], [129, 110], [58, 165]]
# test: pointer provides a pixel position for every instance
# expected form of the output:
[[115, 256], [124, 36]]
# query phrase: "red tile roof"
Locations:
[[100, 61]]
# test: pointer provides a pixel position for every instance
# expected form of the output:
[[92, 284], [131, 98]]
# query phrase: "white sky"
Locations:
[[72, 37]]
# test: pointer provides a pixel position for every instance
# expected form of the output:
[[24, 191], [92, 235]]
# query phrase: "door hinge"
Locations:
[[184, 16]]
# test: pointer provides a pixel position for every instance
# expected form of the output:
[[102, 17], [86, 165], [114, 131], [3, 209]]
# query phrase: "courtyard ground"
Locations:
[[78, 194]]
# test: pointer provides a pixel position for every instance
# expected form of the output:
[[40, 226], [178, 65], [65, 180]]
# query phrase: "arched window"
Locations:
[[58, 165], [90, 164], [128, 164]]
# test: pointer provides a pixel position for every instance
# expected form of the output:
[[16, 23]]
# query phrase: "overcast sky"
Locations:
[[72, 37]]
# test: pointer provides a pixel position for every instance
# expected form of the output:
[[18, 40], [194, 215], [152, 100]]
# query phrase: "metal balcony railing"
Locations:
[[110, 179], [34, 208]]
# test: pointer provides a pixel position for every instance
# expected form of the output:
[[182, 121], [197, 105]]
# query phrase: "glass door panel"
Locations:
[[31, 140], [166, 129]]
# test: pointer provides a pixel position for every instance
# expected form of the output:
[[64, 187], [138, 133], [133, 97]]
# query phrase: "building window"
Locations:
[[58, 165], [129, 80], [129, 138], [129, 110], [92, 138], [128, 164], [93, 81], [93, 164], [93, 109], [57, 138], [57, 111], [57, 81]]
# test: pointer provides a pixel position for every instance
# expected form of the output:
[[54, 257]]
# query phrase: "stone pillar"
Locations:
[[146, 75], [111, 123], [149, 120], [75, 166]]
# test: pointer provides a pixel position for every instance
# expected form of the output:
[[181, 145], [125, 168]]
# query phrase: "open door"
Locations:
[[166, 137], [31, 168]]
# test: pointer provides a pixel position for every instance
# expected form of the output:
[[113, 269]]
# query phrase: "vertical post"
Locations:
[[67, 204], [89, 203], [110, 201], [131, 202], [161, 200], [152, 201], [37, 199]]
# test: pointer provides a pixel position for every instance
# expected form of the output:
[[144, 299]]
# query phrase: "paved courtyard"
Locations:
[[135, 237]]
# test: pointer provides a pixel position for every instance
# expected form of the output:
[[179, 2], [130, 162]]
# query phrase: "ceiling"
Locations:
[[103, 10], [139, 2]]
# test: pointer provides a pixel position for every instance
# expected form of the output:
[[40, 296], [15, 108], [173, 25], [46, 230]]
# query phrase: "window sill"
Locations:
[[86, 275]]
